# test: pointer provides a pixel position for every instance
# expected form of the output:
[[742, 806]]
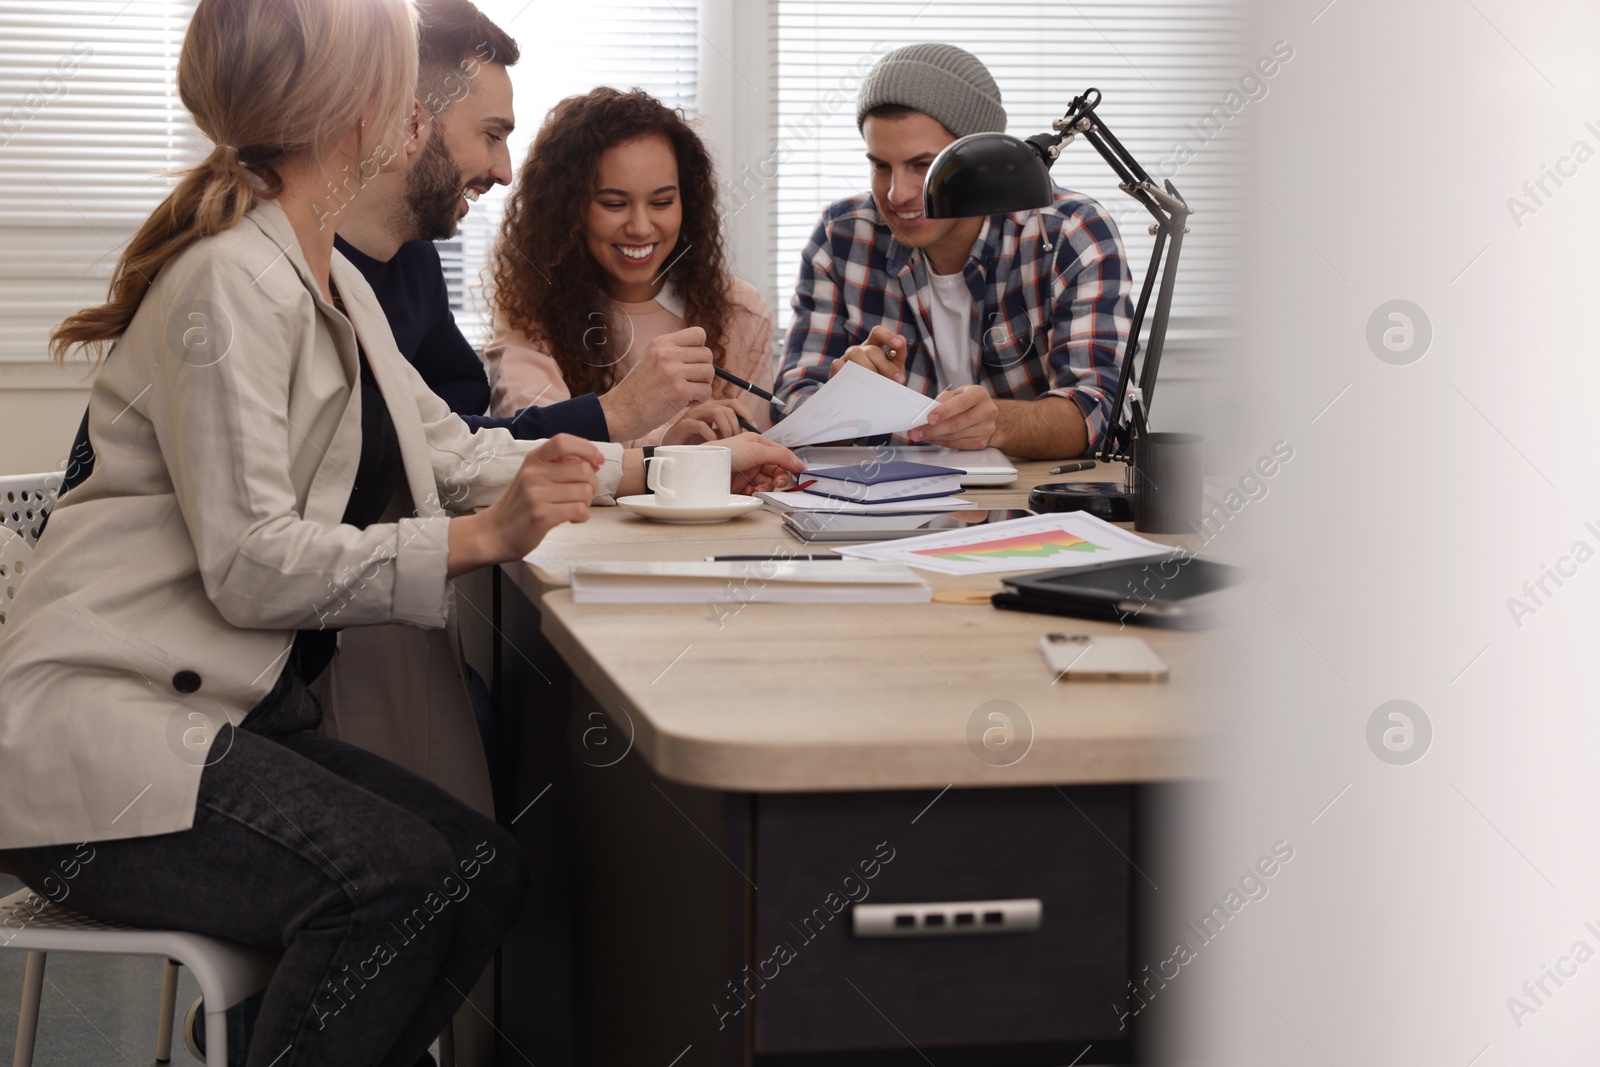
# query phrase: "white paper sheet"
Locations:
[[1035, 543], [856, 402]]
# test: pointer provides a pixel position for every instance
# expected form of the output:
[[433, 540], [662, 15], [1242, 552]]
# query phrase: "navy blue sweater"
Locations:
[[411, 288]]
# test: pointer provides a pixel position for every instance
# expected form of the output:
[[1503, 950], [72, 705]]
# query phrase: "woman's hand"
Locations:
[[555, 485], [710, 421], [675, 371], [759, 465]]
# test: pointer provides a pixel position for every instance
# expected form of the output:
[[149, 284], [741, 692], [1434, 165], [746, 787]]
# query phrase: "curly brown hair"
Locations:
[[545, 278]]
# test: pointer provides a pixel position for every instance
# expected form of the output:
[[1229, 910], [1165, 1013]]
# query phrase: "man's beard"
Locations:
[[433, 188]]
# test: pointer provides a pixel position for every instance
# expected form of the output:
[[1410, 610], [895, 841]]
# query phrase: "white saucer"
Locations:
[[645, 506]]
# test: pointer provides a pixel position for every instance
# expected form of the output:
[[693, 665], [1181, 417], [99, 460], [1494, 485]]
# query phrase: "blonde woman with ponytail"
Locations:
[[268, 470]]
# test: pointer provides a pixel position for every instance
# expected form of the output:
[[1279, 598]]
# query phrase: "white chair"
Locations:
[[25, 500], [226, 972]]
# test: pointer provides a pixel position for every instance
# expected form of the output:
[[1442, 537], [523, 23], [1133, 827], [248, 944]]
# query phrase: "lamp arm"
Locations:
[[1113, 152], [1158, 326], [1163, 262], [1171, 213], [1115, 445], [1081, 118]]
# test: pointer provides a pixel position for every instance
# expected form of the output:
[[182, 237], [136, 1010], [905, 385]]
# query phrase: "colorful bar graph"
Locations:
[[1025, 546]]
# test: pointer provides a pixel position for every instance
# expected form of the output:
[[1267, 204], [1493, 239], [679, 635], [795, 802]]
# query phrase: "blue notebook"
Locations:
[[894, 480]]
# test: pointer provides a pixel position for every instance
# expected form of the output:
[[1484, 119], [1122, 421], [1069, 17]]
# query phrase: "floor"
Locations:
[[97, 1011]]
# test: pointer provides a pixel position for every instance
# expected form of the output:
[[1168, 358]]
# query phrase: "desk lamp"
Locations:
[[991, 173]]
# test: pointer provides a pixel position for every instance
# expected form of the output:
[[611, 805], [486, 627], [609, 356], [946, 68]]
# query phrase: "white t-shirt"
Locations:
[[951, 314]]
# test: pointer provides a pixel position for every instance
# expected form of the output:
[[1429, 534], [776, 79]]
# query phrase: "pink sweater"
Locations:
[[522, 372]]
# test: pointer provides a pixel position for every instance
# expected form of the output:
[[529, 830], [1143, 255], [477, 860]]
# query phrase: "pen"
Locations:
[[1068, 468], [747, 424], [747, 387], [763, 559]]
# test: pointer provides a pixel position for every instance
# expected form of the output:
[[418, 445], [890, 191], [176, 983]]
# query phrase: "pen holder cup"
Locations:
[[1166, 476]]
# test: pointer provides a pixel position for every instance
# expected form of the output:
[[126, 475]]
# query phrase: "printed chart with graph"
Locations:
[[1025, 546], [1037, 542]]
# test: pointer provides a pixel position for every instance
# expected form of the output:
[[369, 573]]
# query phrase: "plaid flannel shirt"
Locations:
[[1050, 293]]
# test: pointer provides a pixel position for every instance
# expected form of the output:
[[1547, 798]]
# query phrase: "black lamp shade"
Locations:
[[986, 174]]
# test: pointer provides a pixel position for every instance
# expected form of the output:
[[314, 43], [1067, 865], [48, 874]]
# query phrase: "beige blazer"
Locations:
[[166, 592]]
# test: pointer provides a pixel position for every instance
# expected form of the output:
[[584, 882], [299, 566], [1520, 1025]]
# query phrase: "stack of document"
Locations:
[[844, 581], [793, 501]]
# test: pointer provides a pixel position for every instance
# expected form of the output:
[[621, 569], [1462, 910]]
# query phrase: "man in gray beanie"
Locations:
[[1016, 322]]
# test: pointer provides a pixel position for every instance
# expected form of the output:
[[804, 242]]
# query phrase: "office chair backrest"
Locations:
[[25, 500]]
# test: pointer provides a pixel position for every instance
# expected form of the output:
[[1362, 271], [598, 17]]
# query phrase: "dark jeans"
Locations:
[[388, 896]]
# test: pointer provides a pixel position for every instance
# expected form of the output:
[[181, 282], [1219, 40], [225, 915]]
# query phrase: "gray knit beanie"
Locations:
[[939, 80]]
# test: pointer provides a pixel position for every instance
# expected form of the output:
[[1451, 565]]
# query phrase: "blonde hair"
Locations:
[[264, 80]]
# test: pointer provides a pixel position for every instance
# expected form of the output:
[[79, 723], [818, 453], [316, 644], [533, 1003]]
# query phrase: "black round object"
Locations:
[[985, 174], [186, 682], [1110, 501]]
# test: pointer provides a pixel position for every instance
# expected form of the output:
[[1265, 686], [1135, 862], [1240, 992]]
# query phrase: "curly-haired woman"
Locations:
[[610, 278]]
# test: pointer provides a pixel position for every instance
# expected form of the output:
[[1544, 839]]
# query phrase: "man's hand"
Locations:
[[883, 353], [555, 484], [759, 465], [711, 421], [675, 372], [965, 418]]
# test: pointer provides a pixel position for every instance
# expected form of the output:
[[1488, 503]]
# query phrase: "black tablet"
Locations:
[[1177, 590]]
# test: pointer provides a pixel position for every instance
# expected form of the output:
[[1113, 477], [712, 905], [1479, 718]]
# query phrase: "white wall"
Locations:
[[1433, 876], [40, 407], [736, 117]]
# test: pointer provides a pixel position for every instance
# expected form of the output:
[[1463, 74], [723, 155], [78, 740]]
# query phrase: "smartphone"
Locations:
[[1083, 658]]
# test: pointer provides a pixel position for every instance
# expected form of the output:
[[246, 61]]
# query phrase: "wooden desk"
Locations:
[[712, 751]]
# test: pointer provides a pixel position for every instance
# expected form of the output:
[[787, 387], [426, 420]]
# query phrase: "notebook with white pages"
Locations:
[[776, 581]]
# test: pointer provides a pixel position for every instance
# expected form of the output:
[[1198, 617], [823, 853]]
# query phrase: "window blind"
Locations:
[[90, 124], [566, 49], [1161, 65], [89, 121]]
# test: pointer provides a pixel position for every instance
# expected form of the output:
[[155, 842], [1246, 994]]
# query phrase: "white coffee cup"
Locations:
[[690, 476]]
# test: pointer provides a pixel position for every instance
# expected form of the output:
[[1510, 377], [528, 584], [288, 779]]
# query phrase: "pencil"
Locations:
[[734, 379]]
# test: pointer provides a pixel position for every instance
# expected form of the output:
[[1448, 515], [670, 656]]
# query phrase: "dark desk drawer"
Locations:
[[813, 985]]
